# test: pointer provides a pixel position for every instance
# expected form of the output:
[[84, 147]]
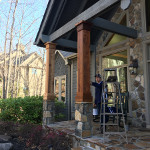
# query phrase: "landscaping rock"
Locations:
[[6, 146], [5, 138]]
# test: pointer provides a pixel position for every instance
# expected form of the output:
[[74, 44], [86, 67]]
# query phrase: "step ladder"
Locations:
[[111, 106]]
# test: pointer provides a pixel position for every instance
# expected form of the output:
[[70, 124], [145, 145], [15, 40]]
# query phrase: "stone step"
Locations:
[[83, 148]]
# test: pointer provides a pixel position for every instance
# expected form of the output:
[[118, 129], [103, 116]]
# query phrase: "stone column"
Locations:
[[49, 97], [83, 106]]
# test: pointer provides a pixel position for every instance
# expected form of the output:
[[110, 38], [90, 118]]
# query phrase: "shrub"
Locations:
[[55, 139], [36, 136], [60, 111], [28, 109]]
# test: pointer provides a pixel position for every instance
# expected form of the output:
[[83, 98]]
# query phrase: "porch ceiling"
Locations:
[[59, 14]]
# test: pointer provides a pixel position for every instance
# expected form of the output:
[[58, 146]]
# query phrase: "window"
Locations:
[[118, 61], [148, 69], [60, 88], [147, 6], [34, 71], [118, 38], [57, 88]]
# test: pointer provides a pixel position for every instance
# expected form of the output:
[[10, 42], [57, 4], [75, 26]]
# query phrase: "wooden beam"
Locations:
[[89, 13], [71, 44], [64, 42], [102, 24], [44, 20]]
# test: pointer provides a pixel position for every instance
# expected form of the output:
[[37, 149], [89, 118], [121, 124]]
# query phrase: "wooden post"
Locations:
[[49, 97], [83, 62], [83, 106]]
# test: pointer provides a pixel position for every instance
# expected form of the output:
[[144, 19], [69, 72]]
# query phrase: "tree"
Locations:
[[21, 17], [4, 69], [10, 48]]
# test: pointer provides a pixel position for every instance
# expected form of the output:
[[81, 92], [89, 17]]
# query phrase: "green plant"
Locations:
[[60, 111], [27, 109]]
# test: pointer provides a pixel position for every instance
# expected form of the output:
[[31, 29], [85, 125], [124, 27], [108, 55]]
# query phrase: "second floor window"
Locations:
[[34, 71], [147, 6]]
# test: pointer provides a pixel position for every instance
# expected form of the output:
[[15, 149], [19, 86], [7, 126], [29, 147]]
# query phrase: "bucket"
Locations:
[[95, 111]]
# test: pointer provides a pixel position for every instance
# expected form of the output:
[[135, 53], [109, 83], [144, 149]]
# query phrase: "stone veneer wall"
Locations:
[[137, 97]]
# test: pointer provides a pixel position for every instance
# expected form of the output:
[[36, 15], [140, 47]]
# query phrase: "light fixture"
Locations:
[[133, 67]]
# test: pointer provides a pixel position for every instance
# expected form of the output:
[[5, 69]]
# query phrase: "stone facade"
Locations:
[[48, 112], [83, 118], [137, 96], [135, 48]]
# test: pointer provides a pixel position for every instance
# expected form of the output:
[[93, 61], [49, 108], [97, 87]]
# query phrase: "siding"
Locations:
[[60, 70], [74, 86], [74, 81]]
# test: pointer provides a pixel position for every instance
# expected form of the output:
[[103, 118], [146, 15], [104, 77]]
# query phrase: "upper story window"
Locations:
[[147, 6], [116, 38], [34, 71]]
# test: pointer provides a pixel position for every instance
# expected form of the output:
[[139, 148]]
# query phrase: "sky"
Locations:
[[32, 12]]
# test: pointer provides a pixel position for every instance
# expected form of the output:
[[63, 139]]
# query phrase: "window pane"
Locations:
[[148, 53], [118, 38], [147, 2], [63, 89], [34, 71], [114, 60], [57, 88]]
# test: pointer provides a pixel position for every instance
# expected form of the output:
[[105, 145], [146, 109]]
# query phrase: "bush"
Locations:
[[55, 139], [28, 109], [60, 111]]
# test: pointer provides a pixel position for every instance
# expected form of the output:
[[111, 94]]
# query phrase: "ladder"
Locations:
[[111, 106]]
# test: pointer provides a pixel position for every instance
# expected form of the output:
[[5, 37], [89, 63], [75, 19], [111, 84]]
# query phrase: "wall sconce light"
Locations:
[[133, 67]]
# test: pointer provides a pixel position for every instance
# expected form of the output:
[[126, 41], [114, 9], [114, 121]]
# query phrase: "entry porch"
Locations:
[[137, 138]]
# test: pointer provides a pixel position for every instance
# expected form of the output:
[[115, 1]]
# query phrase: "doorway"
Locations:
[[118, 61]]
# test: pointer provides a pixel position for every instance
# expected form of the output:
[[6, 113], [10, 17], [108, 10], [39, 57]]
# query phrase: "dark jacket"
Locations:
[[98, 91]]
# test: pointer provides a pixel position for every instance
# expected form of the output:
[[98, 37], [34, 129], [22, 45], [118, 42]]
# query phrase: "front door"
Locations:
[[118, 61]]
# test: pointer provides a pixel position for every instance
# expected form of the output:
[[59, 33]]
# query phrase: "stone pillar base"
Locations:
[[84, 119], [48, 112]]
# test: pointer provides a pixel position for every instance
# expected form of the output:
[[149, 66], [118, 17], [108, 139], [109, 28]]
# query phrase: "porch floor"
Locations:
[[137, 138]]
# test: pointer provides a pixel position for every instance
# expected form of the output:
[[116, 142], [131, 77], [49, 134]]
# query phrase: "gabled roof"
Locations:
[[66, 54], [24, 60], [60, 12]]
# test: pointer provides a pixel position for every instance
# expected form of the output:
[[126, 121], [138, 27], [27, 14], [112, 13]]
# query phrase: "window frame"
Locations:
[[146, 84], [111, 50], [144, 21], [146, 18], [59, 78]]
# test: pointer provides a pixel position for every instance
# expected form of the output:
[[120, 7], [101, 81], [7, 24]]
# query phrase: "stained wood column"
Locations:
[[49, 97], [50, 69], [83, 62], [83, 106]]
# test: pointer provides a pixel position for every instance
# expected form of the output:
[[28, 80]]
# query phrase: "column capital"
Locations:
[[83, 25], [50, 45]]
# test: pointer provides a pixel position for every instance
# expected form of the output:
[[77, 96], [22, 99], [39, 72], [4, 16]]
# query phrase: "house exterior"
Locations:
[[30, 73], [66, 70], [115, 37]]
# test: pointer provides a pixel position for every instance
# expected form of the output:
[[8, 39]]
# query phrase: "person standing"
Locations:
[[98, 91]]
